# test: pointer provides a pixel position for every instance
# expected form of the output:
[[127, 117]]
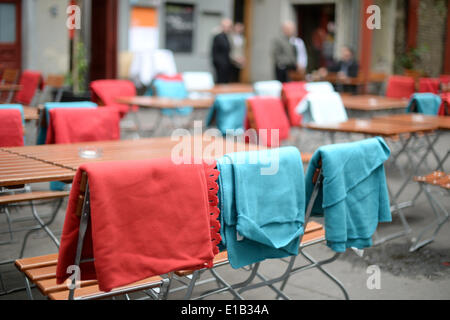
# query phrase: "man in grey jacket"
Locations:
[[285, 52]]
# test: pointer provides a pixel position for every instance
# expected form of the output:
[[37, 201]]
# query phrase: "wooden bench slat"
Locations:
[[37, 274], [36, 262], [91, 292], [32, 196], [49, 286]]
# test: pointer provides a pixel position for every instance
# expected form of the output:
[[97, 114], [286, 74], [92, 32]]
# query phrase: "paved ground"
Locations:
[[424, 274]]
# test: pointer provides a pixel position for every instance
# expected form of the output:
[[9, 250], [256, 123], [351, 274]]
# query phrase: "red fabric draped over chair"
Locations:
[[11, 128], [105, 93], [267, 113], [400, 87], [30, 82], [83, 125]]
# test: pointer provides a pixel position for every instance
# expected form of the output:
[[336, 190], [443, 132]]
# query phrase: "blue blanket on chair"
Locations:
[[262, 204], [354, 196], [229, 111], [425, 103]]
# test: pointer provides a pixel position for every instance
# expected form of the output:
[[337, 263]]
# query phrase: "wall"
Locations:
[[199, 59], [431, 35], [45, 36], [384, 39]]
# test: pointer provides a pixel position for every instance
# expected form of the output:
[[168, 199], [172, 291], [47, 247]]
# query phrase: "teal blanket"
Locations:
[[425, 103], [354, 196], [229, 111], [262, 204], [171, 89]]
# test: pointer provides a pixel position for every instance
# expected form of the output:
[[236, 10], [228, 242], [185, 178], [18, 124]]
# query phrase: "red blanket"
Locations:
[[429, 85], [400, 87], [105, 93], [147, 218], [82, 125], [269, 114], [11, 128], [30, 82], [444, 110]]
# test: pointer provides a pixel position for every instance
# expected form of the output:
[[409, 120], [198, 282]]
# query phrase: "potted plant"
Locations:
[[410, 61]]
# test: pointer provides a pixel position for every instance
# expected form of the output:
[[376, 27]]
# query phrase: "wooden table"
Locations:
[[374, 127], [443, 123], [16, 170], [229, 88], [21, 165], [373, 103], [10, 87], [166, 103]]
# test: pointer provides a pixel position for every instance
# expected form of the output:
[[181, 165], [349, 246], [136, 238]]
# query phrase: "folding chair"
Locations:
[[314, 234], [54, 82], [267, 115], [440, 180], [400, 87], [293, 93], [323, 107], [268, 88], [229, 112], [99, 124], [10, 77], [173, 87], [31, 83], [319, 87], [430, 85], [105, 93], [198, 81], [11, 121], [41, 271]]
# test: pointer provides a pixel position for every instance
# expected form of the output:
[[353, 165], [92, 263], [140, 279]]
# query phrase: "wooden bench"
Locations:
[[41, 271]]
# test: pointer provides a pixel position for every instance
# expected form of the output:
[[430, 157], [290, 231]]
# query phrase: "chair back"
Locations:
[[11, 128], [268, 113], [83, 125], [196, 81], [105, 93], [31, 83], [400, 87], [268, 88]]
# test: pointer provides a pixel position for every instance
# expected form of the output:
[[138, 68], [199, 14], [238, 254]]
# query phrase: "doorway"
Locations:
[[316, 28], [10, 34]]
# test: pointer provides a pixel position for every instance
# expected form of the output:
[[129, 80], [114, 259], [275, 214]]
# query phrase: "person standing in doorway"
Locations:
[[221, 52], [285, 52], [237, 40]]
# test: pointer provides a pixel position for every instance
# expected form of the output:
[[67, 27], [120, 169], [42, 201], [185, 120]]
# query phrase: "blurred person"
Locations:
[[286, 55], [346, 68], [238, 44], [221, 52]]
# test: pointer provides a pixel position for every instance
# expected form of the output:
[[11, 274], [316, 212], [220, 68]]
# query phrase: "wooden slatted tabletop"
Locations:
[[229, 88], [10, 87], [166, 103], [16, 170], [372, 103], [67, 156], [374, 127], [443, 123]]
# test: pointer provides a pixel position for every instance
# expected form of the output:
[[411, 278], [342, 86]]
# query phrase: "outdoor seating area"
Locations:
[[177, 179]]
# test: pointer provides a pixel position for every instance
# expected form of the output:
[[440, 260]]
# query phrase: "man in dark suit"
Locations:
[[221, 50], [347, 67]]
